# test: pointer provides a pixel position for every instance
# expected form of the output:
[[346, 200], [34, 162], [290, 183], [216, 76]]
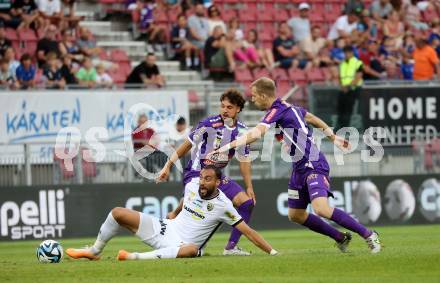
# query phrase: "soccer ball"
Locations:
[[49, 251]]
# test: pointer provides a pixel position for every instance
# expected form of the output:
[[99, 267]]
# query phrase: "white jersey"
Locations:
[[200, 218]]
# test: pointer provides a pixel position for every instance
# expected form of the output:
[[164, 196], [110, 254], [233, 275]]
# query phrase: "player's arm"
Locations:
[[182, 150], [255, 238], [251, 136], [318, 123], [173, 214], [246, 173]]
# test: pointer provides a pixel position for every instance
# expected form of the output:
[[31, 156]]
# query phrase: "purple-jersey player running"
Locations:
[[210, 134], [309, 182]]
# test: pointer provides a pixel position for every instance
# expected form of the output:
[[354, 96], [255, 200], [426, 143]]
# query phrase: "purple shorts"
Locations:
[[305, 187], [229, 187]]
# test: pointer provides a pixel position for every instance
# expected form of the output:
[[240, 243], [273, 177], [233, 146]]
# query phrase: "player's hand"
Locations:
[[250, 192], [164, 174], [342, 143]]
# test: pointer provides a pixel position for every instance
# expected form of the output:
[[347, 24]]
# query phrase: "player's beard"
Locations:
[[206, 193]]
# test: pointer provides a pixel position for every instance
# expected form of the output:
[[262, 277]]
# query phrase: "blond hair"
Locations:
[[265, 86]]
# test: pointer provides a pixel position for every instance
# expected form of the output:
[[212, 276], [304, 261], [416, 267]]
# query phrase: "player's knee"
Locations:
[[118, 213], [322, 211], [297, 216], [189, 251]]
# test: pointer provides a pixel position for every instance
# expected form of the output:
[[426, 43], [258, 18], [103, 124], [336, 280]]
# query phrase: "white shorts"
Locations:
[[157, 233]]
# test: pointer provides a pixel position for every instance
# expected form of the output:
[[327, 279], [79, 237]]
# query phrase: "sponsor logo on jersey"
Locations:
[[197, 215], [230, 215], [270, 115], [210, 206], [216, 125], [163, 227], [198, 134]]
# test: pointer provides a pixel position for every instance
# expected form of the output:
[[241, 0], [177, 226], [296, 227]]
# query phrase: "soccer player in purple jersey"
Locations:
[[210, 134], [309, 182]]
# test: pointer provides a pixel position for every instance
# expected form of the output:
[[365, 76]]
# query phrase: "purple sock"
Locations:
[[318, 225], [245, 211], [348, 222]]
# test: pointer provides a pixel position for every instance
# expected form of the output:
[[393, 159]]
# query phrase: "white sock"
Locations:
[[196, 61], [108, 230], [170, 252], [188, 61]]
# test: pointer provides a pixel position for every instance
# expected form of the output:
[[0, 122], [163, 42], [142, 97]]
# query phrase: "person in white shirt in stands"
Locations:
[[50, 11], [201, 212], [344, 26], [102, 78], [301, 25]]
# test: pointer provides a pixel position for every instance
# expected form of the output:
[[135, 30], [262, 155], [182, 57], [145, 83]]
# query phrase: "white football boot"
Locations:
[[373, 243], [236, 251]]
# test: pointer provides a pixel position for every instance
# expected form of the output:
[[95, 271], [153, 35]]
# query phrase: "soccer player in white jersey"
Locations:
[[205, 208]]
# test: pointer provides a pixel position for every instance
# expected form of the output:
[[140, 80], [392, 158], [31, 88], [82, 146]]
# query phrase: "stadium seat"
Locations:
[[160, 17], [265, 16], [88, 167], [229, 14], [119, 55], [283, 87], [280, 74], [243, 75], [315, 75], [262, 72], [192, 96], [281, 15], [298, 76], [11, 34], [249, 16]]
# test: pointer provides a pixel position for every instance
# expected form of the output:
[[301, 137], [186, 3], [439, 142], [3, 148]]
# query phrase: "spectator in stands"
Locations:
[[86, 75], [180, 41], [350, 78], [367, 28], [407, 67], [155, 34], [393, 28], [381, 9], [301, 25], [285, 49], [434, 37], [242, 51], [219, 51], [4, 42], [27, 10], [50, 11], [413, 16], [373, 68], [25, 73], [146, 73], [215, 19], [52, 73], [265, 55], [47, 44], [146, 142], [344, 26], [67, 70], [179, 133], [337, 54], [68, 9], [7, 79], [103, 79], [425, 61], [10, 58], [87, 44], [7, 18], [390, 55], [312, 45], [68, 46], [199, 27]]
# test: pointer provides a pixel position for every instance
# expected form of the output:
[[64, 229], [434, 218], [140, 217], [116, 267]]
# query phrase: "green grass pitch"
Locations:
[[411, 254]]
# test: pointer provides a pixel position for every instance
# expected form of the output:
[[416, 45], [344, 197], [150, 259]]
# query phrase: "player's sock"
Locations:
[[318, 225], [245, 211], [188, 61], [348, 222], [107, 231], [156, 254]]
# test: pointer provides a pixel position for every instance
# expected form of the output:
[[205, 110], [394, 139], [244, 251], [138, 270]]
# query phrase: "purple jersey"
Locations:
[[209, 135], [295, 133]]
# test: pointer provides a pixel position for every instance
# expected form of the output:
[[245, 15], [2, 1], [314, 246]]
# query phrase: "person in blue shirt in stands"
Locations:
[[25, 73]]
